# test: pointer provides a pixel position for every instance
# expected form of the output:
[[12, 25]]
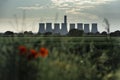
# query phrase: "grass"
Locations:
[[70, 58]]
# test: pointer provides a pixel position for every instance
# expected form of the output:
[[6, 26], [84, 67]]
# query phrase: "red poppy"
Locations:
[[34, 53], [22, 49], [43, 52]]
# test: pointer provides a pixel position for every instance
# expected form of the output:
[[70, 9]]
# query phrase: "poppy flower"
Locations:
[[43, 52], [22, 49], [34, 53]]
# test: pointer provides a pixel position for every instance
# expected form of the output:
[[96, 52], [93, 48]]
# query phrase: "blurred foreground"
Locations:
[[69, 58]]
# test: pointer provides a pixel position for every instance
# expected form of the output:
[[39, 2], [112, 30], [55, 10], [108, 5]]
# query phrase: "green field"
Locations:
[[70, 58]]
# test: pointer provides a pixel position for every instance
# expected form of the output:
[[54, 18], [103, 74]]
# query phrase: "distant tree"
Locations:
[[9, 33], [89, 33], [116, 33], [104, 33], [20, 34], [28, 33], [48, 33], [56, 34], [39, 33], [97, 33], [75, 32], [1, 34]]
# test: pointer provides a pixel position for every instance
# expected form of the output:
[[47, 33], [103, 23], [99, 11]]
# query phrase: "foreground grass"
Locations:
[[70, 58]]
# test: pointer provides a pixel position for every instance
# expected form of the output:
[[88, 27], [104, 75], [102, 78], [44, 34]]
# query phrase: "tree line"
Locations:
[[71, 33]]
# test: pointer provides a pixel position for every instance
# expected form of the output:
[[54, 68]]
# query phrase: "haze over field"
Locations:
[[28, 13]]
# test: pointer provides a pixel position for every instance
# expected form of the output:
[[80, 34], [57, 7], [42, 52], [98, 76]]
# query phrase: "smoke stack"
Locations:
[[107, 27], [65, 19], [64, 26]]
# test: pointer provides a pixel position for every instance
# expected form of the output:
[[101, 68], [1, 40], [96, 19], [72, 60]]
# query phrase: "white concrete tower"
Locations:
[[56, 28], [80, 26], [86, 28], [48, 27], [41, 28], [72, 26], [94, 28]]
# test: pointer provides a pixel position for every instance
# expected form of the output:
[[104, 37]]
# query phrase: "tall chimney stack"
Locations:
[[65, 19]]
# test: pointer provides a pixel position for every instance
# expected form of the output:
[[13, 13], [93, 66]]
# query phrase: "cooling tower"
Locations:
[[63, 29], [72, 26], [41, 28], [48, 27], [86, 28], [79, 26], [56, 28], [94, 28]]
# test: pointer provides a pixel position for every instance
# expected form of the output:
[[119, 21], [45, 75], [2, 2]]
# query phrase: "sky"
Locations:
[[25, 15]]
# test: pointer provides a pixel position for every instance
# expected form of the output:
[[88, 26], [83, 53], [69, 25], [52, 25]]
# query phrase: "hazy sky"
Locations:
[[16, 13]]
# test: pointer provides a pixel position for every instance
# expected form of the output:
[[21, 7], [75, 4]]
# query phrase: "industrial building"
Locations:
[[94, 28], [49, 27], [86, 28], [41, 28], [56, 28], [63, 29], [72, 26], [80, 26]]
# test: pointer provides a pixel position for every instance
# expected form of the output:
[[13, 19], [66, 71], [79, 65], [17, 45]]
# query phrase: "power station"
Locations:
[[80, 26], [94, 28], [49, 27], [86, 28], [62, 28], [41, 28], [72, 26], [56, 29]]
